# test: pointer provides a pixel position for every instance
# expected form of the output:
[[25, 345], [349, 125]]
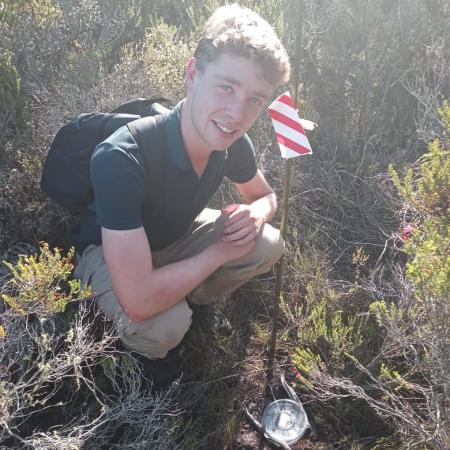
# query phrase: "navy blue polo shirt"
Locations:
[[120, 178]]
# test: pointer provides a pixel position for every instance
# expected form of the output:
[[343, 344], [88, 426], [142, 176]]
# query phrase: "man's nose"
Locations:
[[236, 110]]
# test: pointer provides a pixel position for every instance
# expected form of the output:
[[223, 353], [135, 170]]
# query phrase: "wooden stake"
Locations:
[[279, 295]]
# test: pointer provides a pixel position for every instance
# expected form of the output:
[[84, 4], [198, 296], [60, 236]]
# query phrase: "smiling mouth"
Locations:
[[223, 128]]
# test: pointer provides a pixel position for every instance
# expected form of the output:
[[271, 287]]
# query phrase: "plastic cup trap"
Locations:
[[283, 421]]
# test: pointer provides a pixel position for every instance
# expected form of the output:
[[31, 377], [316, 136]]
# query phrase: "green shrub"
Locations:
[[37, 283], [329, 332], [41, 10], [165, 55], [392, 354], [9, 83], [426, 190]]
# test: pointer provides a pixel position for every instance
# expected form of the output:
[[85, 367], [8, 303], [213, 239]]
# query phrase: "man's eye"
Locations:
[[227, 89], [255, 100]]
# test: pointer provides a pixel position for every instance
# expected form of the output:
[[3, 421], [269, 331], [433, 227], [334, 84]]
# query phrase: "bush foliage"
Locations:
[[37, 283], [393, 356]]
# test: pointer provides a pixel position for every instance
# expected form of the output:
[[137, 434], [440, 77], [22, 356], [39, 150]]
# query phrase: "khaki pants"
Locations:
[[154, 337]]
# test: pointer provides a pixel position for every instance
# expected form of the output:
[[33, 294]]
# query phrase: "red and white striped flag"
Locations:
[[289, 131]]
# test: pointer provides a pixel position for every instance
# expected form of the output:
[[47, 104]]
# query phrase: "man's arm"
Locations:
[[246, 220], [144, 291]]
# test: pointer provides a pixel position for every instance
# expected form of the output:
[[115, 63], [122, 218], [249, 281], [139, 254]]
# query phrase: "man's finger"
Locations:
[[230, 209], [245, 241], [237, 215], [240, 234], [236, 236], [233, 226]]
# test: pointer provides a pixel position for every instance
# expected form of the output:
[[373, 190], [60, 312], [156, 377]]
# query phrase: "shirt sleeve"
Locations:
[[117, 177], [240, 165]]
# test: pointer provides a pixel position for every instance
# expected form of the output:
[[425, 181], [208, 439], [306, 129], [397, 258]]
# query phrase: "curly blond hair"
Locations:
[[239, 31]]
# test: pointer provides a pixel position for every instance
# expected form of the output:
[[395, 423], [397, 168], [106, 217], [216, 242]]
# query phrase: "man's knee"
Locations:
[[274, 243], [269, 247], [156, 336]]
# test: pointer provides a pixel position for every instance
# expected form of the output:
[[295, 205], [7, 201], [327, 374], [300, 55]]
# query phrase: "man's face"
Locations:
[[225, 99]]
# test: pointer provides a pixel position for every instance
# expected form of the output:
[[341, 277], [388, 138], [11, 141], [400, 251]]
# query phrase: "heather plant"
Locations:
[[37, 283], [426, 192], [165, 60], [393, 355], [9, 88], [41, 11]]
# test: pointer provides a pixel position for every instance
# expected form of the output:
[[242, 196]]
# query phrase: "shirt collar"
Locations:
[[177, 152]]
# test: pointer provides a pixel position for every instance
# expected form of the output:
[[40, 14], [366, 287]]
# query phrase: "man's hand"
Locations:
[[242, 226], [227, 251]]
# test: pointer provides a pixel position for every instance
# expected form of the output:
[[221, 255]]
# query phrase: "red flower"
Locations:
[[407, 231]]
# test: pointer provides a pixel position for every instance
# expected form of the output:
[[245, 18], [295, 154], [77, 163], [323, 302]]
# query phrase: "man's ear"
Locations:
[[191, 72]]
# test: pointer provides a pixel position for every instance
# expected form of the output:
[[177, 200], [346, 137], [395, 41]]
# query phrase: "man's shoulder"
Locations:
[[129, 142], [117, 155], [240, 164], [243, 144], [120, 140]]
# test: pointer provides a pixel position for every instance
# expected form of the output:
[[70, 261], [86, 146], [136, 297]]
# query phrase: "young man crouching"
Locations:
[[148, 253]]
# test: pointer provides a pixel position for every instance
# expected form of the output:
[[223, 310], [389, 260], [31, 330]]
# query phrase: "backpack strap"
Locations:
[[149, 134], [144, 107]]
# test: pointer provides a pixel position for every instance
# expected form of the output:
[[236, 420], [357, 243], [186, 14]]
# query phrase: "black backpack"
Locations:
[[66, 172]]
